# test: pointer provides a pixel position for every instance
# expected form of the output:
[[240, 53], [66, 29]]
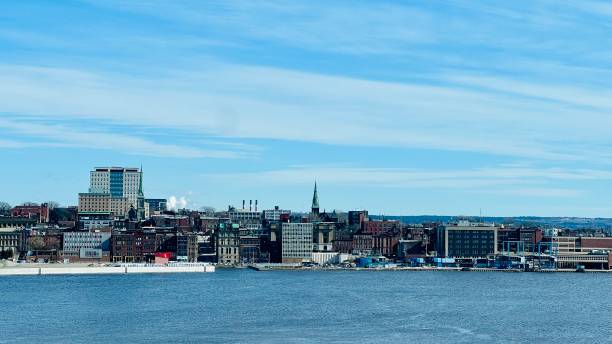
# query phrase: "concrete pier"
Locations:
[[93, 270]]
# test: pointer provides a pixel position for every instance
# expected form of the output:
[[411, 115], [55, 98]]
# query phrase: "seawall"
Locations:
[[67, 270]]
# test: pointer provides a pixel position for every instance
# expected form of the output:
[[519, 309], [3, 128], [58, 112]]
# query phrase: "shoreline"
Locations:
[[84, 269], [414, 269], [87, 269]]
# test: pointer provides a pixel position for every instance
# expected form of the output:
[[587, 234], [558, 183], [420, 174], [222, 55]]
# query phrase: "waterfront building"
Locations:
[[228, 243], [187, 247], [363, 244], [519, 240], [323, 236], [571, 252], [134, 246], [250, 245], [296, 241], [343, 241], [10, 242], [272, 242], [207, 251], [467, 240], [86, 246], [386, 243]]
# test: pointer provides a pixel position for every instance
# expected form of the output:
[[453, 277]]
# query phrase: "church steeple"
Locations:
[[315, 200], [140, 201], [140, 193]]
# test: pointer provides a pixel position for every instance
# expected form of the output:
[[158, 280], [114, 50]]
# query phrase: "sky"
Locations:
[[400, 107]]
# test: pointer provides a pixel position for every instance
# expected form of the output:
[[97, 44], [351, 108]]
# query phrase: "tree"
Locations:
[[208, 210], [52, 205], [53, 243], [5, 208], [36, 243]]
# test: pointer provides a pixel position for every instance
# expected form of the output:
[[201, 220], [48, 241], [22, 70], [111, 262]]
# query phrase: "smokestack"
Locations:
[[250, 205], [255, 205], [243, 202]]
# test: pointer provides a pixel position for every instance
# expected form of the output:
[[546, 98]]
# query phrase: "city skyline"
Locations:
[[432, 107]]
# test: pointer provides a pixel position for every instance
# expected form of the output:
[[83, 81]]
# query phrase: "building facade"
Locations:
[[323, 236], [134, 246], [467, 240], [275, 214], [228, 243], [296, 242], [39, 212], [114, 189], [10, 242], [79, 246]]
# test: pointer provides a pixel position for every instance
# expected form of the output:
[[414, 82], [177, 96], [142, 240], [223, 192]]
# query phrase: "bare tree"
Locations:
[[36, 243], [208, 210], [53, 243], [52, 205], [5, 208]]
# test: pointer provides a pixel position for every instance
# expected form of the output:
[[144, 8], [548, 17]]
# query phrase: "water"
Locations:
[[301, 307]]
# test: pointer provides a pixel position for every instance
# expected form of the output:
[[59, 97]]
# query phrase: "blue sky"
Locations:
[[400, 107]]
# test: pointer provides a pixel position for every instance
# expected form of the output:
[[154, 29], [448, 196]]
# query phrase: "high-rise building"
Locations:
[[117, 181], [115, 190]]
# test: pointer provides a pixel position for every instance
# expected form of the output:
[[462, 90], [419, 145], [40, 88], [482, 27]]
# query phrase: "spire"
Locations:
[[140, 193], [315, 200]]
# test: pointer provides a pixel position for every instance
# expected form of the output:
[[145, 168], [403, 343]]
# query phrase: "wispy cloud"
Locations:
[[501, 180], [236, 101], [67, 136]]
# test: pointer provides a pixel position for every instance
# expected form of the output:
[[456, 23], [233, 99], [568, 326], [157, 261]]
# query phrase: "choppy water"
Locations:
[[301, 307]]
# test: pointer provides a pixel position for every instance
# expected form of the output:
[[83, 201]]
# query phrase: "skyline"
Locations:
[[432, 107]]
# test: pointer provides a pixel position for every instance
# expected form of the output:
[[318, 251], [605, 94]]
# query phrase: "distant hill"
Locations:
[[559, 222]]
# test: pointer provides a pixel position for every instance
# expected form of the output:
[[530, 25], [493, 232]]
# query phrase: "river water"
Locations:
[[246, 306]]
